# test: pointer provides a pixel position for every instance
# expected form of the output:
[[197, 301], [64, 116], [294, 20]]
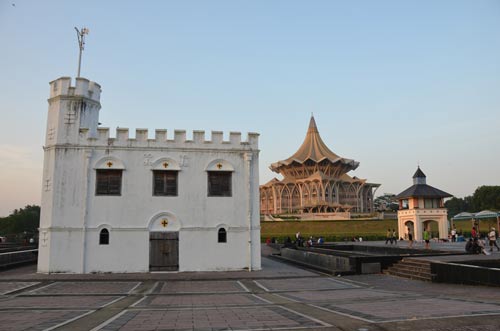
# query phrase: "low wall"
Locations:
[[18, 257], [461, 273], [323, 261]]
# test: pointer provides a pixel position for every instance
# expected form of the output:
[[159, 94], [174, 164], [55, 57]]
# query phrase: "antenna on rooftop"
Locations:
[[81, 43]]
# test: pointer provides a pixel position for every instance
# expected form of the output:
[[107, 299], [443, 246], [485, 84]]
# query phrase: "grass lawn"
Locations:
[[330, 230], [339, 230]]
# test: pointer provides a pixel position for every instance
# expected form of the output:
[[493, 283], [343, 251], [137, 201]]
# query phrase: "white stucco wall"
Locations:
[[73, 215]]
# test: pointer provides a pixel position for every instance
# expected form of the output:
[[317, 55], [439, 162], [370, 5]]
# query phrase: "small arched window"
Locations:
[[104, 237], [222, 236]]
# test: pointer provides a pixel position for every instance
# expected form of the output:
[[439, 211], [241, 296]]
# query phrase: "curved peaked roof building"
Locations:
[[315, 180], [313, 149]]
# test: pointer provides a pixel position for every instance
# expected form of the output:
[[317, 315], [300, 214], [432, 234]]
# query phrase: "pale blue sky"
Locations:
[[391, 83]]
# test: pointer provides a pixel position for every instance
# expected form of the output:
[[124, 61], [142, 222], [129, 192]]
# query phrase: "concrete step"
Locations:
[[410, 275], [412, 269], [415, 263], [409, 272], [406, 268]]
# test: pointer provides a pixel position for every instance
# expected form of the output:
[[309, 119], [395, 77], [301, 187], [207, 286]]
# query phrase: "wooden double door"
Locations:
[[164, 251]]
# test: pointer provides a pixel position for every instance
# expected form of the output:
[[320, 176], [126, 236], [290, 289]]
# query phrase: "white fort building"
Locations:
[[136, 204]]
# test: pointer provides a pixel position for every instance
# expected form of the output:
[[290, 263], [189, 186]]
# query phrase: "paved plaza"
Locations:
[[280, 297]]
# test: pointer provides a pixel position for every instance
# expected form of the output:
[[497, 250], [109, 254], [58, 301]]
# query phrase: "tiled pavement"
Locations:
[[227, 318], [86, 288], [35, 320], [302, 284], [9, 287], [385, 310], [216, 286], [207, 300], [279, 300], [53, 302]]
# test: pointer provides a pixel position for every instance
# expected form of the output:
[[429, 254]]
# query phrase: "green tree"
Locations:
[[486, 197], [22, 220], [457, 205]]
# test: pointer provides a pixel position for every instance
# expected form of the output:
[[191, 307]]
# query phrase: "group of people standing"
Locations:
[[300, 241], [392, 237]]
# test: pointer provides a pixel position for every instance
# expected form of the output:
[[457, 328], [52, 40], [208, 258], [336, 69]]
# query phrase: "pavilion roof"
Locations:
[[422, 191], [313, 148]]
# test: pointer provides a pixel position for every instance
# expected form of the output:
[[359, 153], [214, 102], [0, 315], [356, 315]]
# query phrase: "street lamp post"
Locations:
[[81, 43]]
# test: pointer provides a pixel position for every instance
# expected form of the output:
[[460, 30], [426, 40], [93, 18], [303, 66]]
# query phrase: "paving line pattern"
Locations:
[[53, 302], [9, 287], [201, 300], [196, 287], [227, 318], [302, 284], [37, 320], [409, 308], [86, 288]]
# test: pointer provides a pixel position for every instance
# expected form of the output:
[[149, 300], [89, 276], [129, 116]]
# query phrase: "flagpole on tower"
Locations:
[[81, 43]]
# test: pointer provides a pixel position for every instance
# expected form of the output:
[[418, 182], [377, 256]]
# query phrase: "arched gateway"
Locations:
[[316, 182]]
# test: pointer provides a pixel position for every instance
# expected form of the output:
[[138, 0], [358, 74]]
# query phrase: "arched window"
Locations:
[[104, 237], [222, 236]]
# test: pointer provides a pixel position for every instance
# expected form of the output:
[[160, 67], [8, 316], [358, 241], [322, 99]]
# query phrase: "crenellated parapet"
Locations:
[[82, 88], [141, 140]]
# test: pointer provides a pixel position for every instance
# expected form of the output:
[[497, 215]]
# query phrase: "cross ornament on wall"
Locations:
[[109, 164], [47, 185], [164, 222]]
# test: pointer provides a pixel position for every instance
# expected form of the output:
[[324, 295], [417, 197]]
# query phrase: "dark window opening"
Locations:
[[431, 203], [222, 236], [219, 184], [108, 182], [104, 237], [165, 182]]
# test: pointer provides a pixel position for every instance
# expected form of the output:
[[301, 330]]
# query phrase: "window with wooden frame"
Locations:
[[104, 237], [219, 184], [108, 182], [222, 236], [165, 182]]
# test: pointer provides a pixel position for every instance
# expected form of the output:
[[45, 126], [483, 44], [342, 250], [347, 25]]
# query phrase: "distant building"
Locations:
[[315, 181], [419, 205], [134, 204], [386, 202]]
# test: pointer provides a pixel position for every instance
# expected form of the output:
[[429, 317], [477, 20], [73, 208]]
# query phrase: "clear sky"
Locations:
[[392, 84]]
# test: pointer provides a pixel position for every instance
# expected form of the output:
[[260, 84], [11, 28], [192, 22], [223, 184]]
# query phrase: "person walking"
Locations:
[[492, 236], [395, 236], [388, 236], [427, 238], [410, 238], [473, 232], [454, 234]]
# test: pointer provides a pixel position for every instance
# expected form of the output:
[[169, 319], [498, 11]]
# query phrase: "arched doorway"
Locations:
[[431, 226], [409, 227], [164, 242]]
